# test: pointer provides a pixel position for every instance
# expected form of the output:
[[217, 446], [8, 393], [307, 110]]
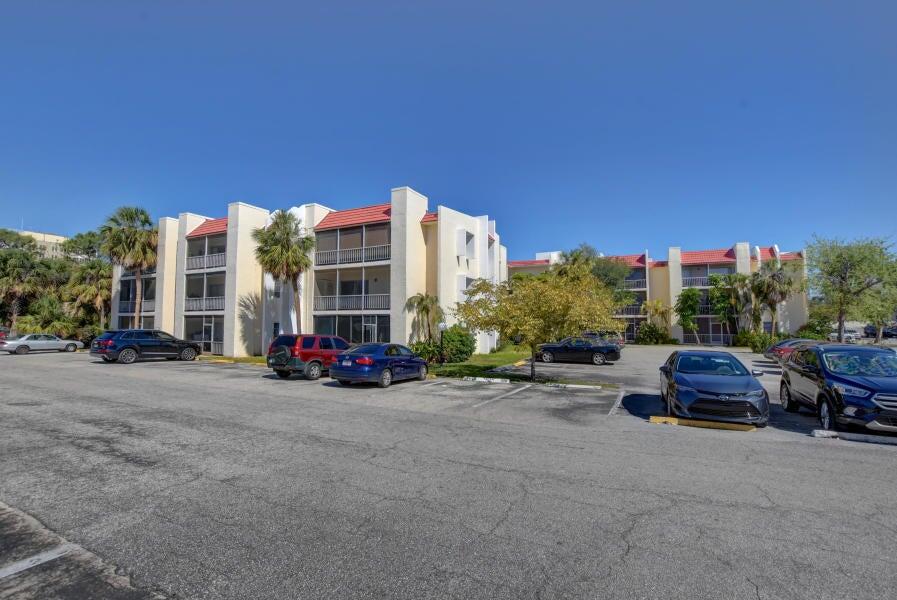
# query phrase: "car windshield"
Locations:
[[710, 365], [365, 349], [864, 364]]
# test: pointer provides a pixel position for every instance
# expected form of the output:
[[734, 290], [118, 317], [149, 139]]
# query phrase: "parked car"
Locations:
[[851, 336], [4, 333], [871, 331], [614, 337], [308, 355], [588, 350], [24, 344], [378, 363], [128, 345], [844, 385], [780, 350], [713, 385]]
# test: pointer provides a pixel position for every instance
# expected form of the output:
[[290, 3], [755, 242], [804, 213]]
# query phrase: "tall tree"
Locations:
[[131, 240], [90, 286], [843, 274], [775, 284], [20, 277], [687, 308], [427, 312], [656, 311], [47, 315], [609, 271], [729, 296], [880, 305], [540, 309], [10, 239], [85, 245], [284, 251]]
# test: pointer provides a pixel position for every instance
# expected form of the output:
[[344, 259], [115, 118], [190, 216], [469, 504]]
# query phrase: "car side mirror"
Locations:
[[665, 370], [757, 373]]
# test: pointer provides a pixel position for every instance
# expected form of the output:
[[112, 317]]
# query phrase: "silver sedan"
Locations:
[[38, 341]]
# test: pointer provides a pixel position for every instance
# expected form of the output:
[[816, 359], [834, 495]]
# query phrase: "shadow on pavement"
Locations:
[[643, 406]]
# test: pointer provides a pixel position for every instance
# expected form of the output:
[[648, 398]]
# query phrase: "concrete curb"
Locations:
[[487, 379], [575, 386], [854, 437], [702, 424]]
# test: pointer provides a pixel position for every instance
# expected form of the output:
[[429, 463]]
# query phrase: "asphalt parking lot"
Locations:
[[199, 480]]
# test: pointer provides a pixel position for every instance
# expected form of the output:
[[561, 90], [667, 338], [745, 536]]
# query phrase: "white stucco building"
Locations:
[[368, 261]]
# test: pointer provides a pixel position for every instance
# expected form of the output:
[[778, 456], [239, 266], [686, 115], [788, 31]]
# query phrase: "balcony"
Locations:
[[129, 306], [352, 255], [207, 261], [695, 282], [359, 302], [705, 309], [212, 303], [634, 284], [630, 310], [707, 339], [146, 272]]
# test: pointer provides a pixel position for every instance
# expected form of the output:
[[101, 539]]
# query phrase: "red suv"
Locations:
[[308, 355]]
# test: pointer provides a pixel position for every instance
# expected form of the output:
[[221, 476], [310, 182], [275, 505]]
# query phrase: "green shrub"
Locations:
[[458, 344], [427, 350], [757, 342], [650, 333], [810, 332]]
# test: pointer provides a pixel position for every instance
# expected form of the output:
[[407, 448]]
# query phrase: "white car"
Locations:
[[24, 344], [851, 336]]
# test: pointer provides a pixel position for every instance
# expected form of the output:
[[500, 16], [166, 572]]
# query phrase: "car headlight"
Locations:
[[846, 390], [756, 394]]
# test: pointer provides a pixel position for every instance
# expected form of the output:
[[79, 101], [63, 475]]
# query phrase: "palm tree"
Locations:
[[19, 278], [91, 286], [656, 310], [130, 240], [47, 315], [284, 252], [426, 310], [778, 285]]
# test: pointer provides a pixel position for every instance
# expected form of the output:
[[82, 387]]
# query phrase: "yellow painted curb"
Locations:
[[520, 363], [703, 424]]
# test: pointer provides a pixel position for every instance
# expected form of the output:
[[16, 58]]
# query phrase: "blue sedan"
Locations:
[[378, 363]]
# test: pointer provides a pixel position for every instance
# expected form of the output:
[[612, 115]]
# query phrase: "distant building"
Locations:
[[49, 244], [665, 279]]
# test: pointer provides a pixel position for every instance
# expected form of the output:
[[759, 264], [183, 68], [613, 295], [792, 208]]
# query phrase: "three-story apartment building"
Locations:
[[665, 279], [208, 286]]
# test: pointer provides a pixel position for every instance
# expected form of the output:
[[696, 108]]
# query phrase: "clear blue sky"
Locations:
[[624, 124]]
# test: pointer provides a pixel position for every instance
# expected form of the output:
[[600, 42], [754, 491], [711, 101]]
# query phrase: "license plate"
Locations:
[[347, 363]]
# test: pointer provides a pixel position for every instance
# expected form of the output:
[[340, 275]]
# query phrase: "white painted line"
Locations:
[[432, 383], [503, 396], [488, 379], [617, 402], [37, 559], [573, 386], [855, 437]]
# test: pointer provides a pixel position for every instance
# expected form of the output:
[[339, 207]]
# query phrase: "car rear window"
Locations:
[[107, 335], [339, 343], [284, 340], [366, 349], [308, 343]]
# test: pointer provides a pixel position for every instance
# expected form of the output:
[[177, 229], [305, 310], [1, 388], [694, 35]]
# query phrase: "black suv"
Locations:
[[127, 345], [843, 384]]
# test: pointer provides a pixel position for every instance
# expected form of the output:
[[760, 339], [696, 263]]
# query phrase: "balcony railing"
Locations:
[[634, 284], [707, 339], [352, 255], [206, 261], [129, 306], [630, 309], [356, 302], [705, 309], [210, 303], [218, 348], [150, 271], [695, 281]]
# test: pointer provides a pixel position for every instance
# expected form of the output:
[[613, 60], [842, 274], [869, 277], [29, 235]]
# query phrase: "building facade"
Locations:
[[368, 261], [664, 280], [49, 244]]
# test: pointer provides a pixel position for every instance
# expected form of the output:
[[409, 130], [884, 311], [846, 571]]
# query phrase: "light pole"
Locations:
[[442, 327]]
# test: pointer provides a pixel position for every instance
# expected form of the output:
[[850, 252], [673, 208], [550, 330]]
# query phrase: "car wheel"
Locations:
[[23, 350], [187, 354], [827, 418], [423, 373], [313, 371], [127, 356], [598, 358], [788, 403], [71, 348], [283, 374], [385, 378], [345, 382], [547, 357]]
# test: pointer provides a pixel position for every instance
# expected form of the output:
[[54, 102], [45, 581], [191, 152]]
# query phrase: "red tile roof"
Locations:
[[630, 260], [430, 217], [379, 213], [786, 256], [767, 254], [658, 263], [209, 227], [528, 263], [708, 257]]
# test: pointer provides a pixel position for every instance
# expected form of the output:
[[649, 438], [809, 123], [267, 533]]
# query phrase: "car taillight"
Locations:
[[365, 360], [105, 343], [295, 352], [271, 348]]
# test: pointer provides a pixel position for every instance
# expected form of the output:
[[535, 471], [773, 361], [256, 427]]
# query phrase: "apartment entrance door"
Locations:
[[370, 329], [717, 333]]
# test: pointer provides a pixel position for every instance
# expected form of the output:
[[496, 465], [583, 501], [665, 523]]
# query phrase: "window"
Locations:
[[143, 335], [308, 343], [161, 335], [284, 340], [276, 329], [403, 351], [392, 351], [325, 325], [326, 343], [339, 343], [810, 358]]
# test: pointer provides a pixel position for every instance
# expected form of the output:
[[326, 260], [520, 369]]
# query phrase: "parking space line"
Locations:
[[432, 383], [37, 559], [503, 396], [617, 402]]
